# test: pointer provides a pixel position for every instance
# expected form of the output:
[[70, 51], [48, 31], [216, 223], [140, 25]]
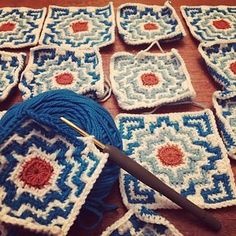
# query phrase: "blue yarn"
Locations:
[[47, 108]]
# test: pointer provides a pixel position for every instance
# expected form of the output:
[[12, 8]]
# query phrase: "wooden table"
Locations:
[[202, 83]]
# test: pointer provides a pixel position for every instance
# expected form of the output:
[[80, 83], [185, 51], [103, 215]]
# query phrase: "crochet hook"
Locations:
[[151, 180]]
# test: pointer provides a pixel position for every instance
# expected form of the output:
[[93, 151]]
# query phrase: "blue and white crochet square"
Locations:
[[220, 58], [149, 80], [52, 68], [207, 23], [185, 151], [20, 27], [45, 177], [224, 103], [139, 23], [141, 222], [79, 26], [11, 65]]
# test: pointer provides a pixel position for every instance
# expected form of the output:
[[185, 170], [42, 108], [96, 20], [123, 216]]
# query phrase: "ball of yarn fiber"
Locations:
[[48, 107]]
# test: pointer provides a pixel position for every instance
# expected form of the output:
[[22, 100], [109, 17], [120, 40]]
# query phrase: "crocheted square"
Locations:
[[142, 222], [79, 26], [21, 26], [11, 65], [207, 23], [148, 80], [225, 107], [45, 176], [220, 59], [52, 68], [185, 151], [139, 23]]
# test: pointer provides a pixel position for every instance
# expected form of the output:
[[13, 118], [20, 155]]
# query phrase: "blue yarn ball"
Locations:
[[47, 108]]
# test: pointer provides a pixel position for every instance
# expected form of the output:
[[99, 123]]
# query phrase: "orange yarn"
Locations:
[[150, 26], [7, 26], [80, 26], [149, 79], [233, 67], [221, 24], [64, 79], [36, 173], [170, 155]]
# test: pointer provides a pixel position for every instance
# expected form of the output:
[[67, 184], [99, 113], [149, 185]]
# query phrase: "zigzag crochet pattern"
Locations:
[[142, 222], [139, 23], [52, 68], [220, 58], [79, 26], [185, 151], [21, 26], [46, 169], [148, 80], [224, 103], [208, 23], [11, 65]]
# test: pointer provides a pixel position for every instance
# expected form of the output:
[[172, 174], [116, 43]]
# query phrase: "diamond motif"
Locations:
[[200, 170], [139, 23], [208, 23], [21, 26], [150, 79], [79, 26], [53, 68]]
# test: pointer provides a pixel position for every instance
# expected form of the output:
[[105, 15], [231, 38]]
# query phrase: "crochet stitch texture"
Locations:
[[220, 58], [52, 68], [79, 26], [20, 27], [139, 23], [207, 23], [46, 170], [147, 80], [224, 103], [142, 222], [11, 65], [185, 151]]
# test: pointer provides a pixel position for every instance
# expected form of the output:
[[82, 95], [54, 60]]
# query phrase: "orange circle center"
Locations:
[[79, 26], [150, 26], [7, 27], [170, 155], [221, 24], [64, 78], [36, 173], [233, 67], [149, 79]]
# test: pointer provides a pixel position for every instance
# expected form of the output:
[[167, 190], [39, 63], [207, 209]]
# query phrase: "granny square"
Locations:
[[224, 103], [52, 68], [45, 176], [11, 65], [142, 222], [207, 23], [185, 151], [220, 58], [149, 79], [21, 26], [79, 26], [139, 23]]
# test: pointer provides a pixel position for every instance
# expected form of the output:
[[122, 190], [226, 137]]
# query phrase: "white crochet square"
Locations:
[[211, 23], [149, 79], [20, 26], [140, 23], [52, 68], [79, 26]]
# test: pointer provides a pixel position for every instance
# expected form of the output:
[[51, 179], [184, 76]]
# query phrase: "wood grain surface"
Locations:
[[202, 83]]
